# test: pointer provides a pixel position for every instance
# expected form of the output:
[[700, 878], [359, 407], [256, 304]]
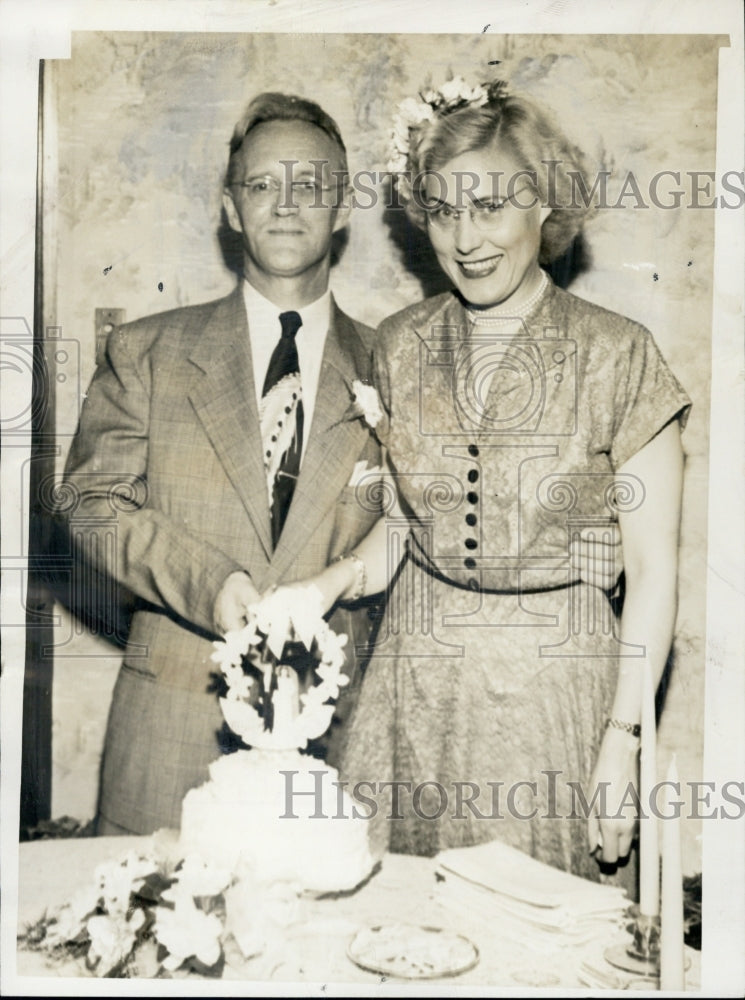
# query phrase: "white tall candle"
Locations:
[[649, 856], [672, 954]]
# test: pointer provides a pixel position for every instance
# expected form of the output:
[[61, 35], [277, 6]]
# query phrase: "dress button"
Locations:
[[473, 583], [472, 497], [473, 475], [470, 520], [473, 451], [471, 543], [469, 563]]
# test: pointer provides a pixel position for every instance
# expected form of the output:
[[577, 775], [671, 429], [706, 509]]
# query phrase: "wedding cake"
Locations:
[[272, 812], [269, 827]]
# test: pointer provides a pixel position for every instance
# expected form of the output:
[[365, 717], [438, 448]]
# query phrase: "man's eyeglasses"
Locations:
[[485, 213], [264, 191]]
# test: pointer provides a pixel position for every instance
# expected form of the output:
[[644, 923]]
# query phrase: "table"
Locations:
[[406, 889]]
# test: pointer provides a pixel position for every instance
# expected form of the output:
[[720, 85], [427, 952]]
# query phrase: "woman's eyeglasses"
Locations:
[[264, 191], [485, 213]]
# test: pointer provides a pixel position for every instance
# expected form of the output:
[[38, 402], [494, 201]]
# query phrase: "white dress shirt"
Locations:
[[264, 331]]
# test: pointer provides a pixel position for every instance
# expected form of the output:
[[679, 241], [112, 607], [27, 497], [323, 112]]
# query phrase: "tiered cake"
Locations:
[[273, 812]]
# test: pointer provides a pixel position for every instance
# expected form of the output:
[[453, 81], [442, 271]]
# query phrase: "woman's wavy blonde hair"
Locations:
[[537, 144]]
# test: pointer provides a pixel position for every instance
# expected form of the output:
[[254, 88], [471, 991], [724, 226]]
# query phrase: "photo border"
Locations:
[[25, 39]]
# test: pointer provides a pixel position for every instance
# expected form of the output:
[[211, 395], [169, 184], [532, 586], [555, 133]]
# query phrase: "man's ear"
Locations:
[[344, 210], [234, 220]]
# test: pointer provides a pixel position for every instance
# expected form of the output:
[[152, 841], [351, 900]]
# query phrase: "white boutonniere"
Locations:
[[365, 403]]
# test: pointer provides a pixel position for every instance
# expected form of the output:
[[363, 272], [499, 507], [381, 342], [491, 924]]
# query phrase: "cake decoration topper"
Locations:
[[264, 704]]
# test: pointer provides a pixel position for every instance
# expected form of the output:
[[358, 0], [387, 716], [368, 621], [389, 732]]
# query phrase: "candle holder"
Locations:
[[642, 955]]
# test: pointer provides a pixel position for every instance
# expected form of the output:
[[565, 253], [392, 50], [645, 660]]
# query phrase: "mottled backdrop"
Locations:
[[142, 125]]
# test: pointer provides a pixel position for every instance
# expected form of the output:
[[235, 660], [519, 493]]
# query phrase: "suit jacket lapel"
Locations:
[[224, 398], [334, 442]]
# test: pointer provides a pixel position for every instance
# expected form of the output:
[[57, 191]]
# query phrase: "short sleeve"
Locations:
[[647, 397]]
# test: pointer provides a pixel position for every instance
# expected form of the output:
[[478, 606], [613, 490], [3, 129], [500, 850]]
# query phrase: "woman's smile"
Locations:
[[482, 268]]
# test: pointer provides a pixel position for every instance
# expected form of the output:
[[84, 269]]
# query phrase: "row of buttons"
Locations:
[[473, 498]]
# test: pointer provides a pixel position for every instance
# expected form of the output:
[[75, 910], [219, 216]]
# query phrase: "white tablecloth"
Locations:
[[406, 889]]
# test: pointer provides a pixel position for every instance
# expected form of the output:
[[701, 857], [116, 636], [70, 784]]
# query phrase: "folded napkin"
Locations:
[[544, 897]]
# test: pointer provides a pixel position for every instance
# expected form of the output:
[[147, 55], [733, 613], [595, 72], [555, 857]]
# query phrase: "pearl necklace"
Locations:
[[505, 314]]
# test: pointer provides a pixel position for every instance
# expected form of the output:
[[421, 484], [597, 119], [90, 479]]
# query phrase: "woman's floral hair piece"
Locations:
[[412, 112], [457, 118]]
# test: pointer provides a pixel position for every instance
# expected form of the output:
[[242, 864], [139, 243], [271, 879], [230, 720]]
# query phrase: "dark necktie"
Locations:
[[282, 382]]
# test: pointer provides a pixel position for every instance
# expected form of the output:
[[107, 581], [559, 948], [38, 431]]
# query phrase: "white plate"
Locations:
[[406, 951]]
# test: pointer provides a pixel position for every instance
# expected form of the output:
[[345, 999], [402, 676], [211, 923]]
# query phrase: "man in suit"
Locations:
[[218, 438], [184, 435]]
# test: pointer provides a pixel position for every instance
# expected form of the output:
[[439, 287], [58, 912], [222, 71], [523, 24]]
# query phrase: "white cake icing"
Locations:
[[251, 817]]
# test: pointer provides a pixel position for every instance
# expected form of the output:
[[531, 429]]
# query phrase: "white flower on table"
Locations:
[[70, 919], [84, 901], [112, 939], [241, 918], [201, 878], [187, 932], [117, 880], [254, 911]]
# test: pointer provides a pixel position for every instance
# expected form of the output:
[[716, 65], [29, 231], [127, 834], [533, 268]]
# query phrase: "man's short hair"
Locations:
[[272, 106]]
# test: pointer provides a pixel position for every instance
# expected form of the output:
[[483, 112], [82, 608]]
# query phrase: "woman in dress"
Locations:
[[500, 697]]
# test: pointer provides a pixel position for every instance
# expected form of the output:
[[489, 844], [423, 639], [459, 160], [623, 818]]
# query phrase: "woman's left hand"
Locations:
[[611, 825]]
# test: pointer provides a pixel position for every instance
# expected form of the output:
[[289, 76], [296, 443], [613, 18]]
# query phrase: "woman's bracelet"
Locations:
[[361, 578], [633, 728]]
